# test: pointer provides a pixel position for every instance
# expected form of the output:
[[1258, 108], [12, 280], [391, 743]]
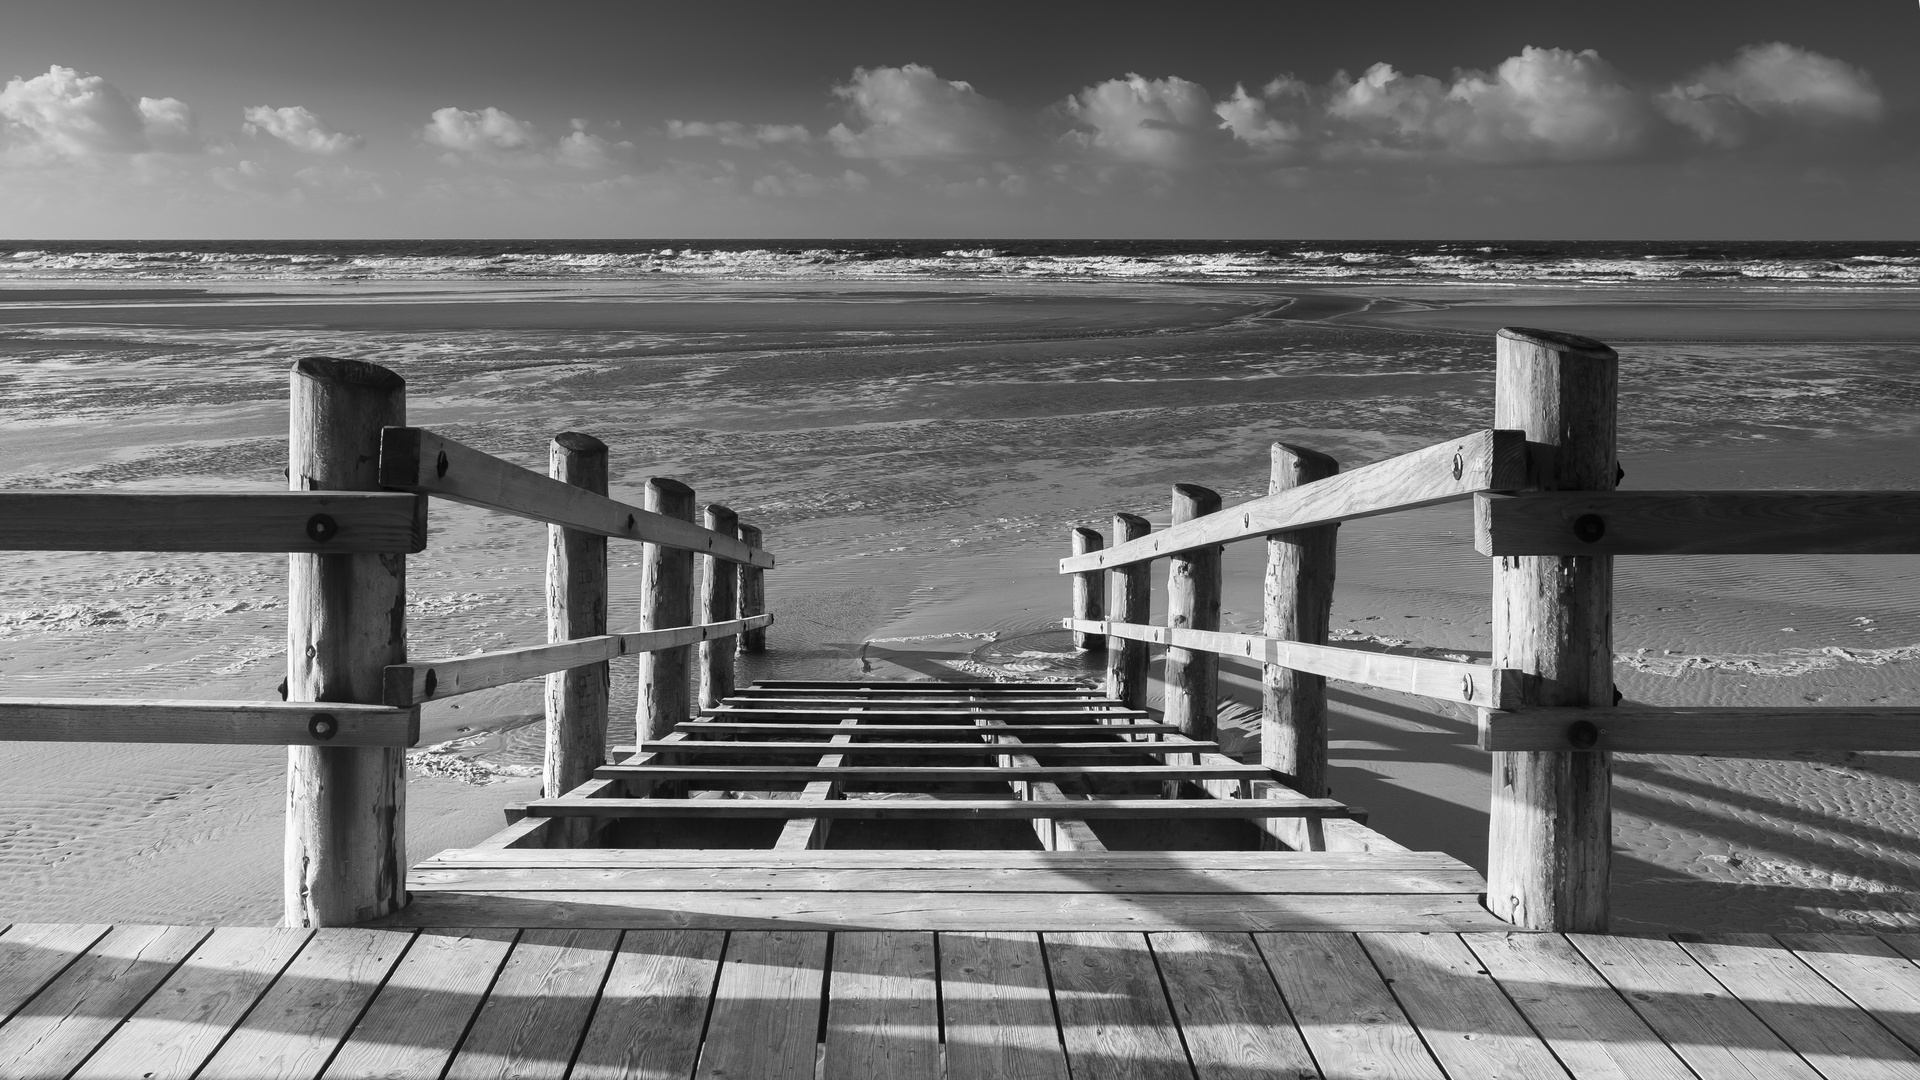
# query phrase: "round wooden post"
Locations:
[[666, 579], [1299, 602], [1129, 600], [719, 602], [345, 855], [1087, 588], [753, 593], [1193, 603], [576, 608], [1551, 826]]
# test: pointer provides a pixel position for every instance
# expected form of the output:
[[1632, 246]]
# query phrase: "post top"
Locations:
[[1559, 341], [1132, 519], [1083, 530], [720, 512], [667, 485], [1195, 493], [348, 372], [1301, 453], [579, 443]]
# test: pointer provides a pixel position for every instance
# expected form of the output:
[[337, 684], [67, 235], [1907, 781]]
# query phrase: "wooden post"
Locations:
[[576, 608], [753, 593], [1087, 588], [1129, 599], [666, 578], [719, 598], [346, 854], [1550, 831], [1299, 603], [1193, 602]]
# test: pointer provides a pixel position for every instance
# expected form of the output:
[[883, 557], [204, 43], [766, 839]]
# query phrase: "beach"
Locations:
[[916, 450]]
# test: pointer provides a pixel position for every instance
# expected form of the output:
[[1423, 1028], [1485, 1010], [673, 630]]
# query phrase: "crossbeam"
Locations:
[[308, 522], [242, 723], [955, 713], [866, 730], [936, 809], [736, 749], [1697, 523], [1714, 731], [742, 777]]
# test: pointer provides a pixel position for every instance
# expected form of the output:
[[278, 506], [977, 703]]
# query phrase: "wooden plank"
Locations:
[[801, 834], [1347, 1016], [997, 1009], [247, 723], [961, 710], [1711, 1030], [1697, 523], [415, 459], [1436, 474], [1593, 1032], [927, 879], [917, 810], [742, 777], [979, 701], [924, 748], [315, 522], [883, 1019], [1474, 684], [76, 1012], [426, 680], [420, 1014], [1114, 1017], [917, 686], [175, 1030], [1828, 1029], [34, 954], [766, 1007], [1727, 732], [653, 1006], [1232, 1018], [1056, 834], [1468, 1023], [716, 727], [297, 1025], [534, 1015], [1066, 863], [1876, 976]]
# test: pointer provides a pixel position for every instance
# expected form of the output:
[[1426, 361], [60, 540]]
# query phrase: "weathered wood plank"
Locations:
[[742, 777], [1055, 834], [926, 748], [1068, 863], [538, 1007], [998, 1012], [34, 954], [416, 1020], [1232, 1018], [244, 723], [766, 1007], [916, 686], [1114, 1017], [297, 1025], [1346, 1014], [1593, 1032], [801, 834], [883, 1020], [716, 727], [977, 701], [916, 810], [960, 710], [1872, 973], [653, 1006], [76, 1012], [1727, 732], [1697, 523], [1443, 473], [432, 878], [1468, 1023], [174, 1031], [415, 459], [315, 522]]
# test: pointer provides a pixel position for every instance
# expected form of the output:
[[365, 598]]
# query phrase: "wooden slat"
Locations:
[[976, 701], [1056, 834], [174, 1031], [1474, 684], [803, 833], [1232, 1018], [929, 879], [247, 723], [766, 1007], [917, 810], [1469, 1024], [956, 713], [1868, 970], [313, 522], [998, 1013], [297, 1025], [883, 1020], [916, 686], [426, 680], [1697, 523], [34, 954], [537, 1009], [716, 727], [1069, 863], [410, 457], [653, 1006], [1593, 1032], [1346, 1014], [1728, 732], [419, 1015], [76, 1012], [1436, 474], [1712, 1031], [736, 749], [1821, 1023], [1114, 1017], [742, 777]]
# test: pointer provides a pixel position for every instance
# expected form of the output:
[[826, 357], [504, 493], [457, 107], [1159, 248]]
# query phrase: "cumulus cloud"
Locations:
[[499, 137], [911, 112], [66, 115], [1274, 122], [300, 129], [742, 136], [1161, 122], [1726, 105]]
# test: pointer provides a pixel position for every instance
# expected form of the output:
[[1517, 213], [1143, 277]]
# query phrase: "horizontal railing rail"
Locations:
[[248, 723], [1697, 523], [1714, 732], [310, 522]]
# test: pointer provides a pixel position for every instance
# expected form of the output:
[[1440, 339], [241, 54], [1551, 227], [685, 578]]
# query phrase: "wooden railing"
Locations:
[[1541, 485], [361, 479]]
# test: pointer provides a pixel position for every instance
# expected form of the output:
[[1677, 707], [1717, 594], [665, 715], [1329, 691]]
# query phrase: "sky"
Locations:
[[1682, 119]]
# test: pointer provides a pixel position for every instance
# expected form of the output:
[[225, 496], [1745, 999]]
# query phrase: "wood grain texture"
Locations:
[[997, 1008], [409, 460], [666, 583], [1114, 1016], [719, 602], [753, 593], [576, 698], [1725, 732], [653, 1006], [1298, 602], [766, 1007], [1469, 1024], [1088, 594], [1129, 600], [1015, 727], [1067, 863], [1232, 1018], [1055, 834], [1347, 1016], [658, 878], [883, 1017], [1192, 676], [315, 522], [742, 777], [420, 1014], [241, 723], [534, 1015], [773, 747], [50, 1035], [1482, 461], [905, 810], [959, 711], [1873, 974], [297, 1025], [34, 954], [1697, 523], [803, 833]]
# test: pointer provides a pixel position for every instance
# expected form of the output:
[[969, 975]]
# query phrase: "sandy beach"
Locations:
[[916, 452]]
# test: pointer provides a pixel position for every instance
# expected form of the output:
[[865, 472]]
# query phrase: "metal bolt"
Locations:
[[1466, 686], [1583, 734], [322, 528], [1588, 528], [1459, 465], [432, 683], [323, 726], [440, 464]]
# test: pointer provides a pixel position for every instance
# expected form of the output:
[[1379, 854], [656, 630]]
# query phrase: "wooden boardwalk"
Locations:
[[159, 1002]]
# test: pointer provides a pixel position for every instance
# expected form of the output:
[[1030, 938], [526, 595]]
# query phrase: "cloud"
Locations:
[[498, 137], [300, 129], [910, 112], [1272, 124], [1726, 105], [1166, 123], [66, 115], [742, 136]]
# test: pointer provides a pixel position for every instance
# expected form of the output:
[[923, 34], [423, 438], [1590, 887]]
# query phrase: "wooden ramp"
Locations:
[[168, 1003]]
